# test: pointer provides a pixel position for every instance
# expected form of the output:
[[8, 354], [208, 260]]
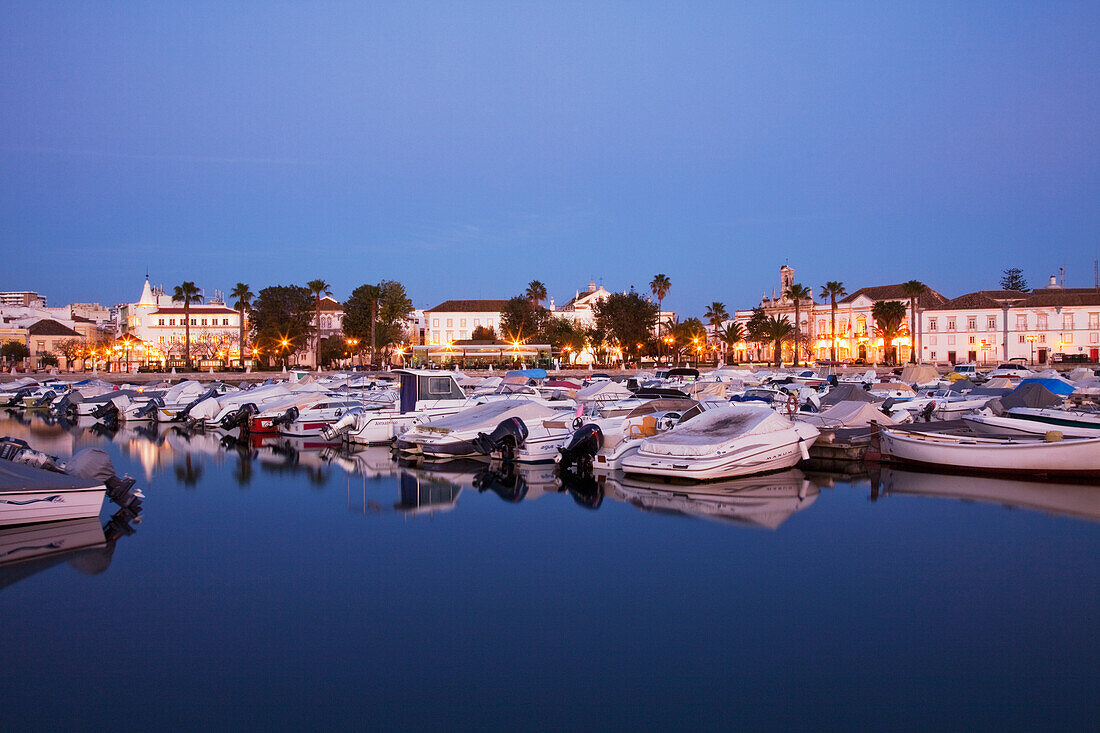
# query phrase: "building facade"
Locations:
[[159, 322]]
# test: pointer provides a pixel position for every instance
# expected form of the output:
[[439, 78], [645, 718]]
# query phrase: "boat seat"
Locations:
[[646, 429]]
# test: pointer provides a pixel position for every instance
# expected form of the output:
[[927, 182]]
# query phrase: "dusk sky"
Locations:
[[468, 148]]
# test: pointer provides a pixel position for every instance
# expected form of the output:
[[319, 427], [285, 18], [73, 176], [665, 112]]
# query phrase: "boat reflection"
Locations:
[[765, 501], [85, 544], [1081, 501]]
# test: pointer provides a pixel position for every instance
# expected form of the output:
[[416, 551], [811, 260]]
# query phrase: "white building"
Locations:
[[455, 320], [988, 326], [159, 322]]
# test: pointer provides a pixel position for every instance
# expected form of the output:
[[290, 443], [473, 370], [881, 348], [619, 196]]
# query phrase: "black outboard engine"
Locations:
[[184, 413], [582, 448], [45, 399], [502, 480], [149, 410], [107, 412], [239, 418], [583, 487], [63, 406], [509, 435], [287, 417], [927, 412]]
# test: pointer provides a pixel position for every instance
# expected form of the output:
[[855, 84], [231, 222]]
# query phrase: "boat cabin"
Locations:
[[425, 388]]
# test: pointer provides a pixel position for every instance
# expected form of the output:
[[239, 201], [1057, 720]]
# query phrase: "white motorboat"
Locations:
[[29, 494], [764, 501], [726, 442], [1042, 455], [601, 442], [520, 430], [425, 394], [311, 420], [942, 403]]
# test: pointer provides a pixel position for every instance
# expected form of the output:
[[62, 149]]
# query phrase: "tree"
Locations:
[[1013, 279], [187, 293], [731, 335], [394, 308], [333, 348], [47, 358], [71, 349], [628, 319], [282, 319], [687, 334], [777, 329], [318, 288], [14, 350], [596, 338], [798, 293], [833, 290], [565, 336], [716, 313], [361, 316], [242, 302], [889, 316], [536, 292], [659, 286], [483, 333], [754, 329], [913, 290], [522, 320]]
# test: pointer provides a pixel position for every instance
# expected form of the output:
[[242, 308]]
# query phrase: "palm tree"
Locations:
[[833, 290], [798, 293], [716, 313], [913, 290], [777, 329], [374, 292], [187, 293], [731, 335], [889, 315], [318, 288], [242, 302], [659, 286], [536, 292]]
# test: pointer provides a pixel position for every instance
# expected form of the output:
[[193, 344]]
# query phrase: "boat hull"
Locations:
[[756, 454], [49, 505], [1077, 457]]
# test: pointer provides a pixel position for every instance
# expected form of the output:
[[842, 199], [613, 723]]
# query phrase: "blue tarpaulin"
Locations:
[[529, 373], [1057, 386]]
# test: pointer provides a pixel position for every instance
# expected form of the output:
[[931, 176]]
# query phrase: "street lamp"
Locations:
[[1031, 339]]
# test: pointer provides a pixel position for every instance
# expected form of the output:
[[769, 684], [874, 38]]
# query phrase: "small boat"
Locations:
[[29, 494], [1051, 454], [519, 430], [726, 442]]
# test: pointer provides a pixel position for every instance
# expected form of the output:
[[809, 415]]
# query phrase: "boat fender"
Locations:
[[802, 447], [1053, 436]]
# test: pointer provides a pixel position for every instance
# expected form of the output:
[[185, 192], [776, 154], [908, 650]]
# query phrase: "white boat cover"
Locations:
[[699, 390], [600, 391], [487, 416], [919, 374], [1000, 383], [847, 415], [183, 392], [1080, 373], [716, 429], [15, 477]]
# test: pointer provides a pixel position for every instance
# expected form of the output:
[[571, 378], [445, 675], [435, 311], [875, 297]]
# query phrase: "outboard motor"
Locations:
[[927, 411], [63, 406], [45, 399], [502, 480], [582, 448], [584, 488], [505, 439], [107, 412], [149, 410], [239, 418], [343, 426], [183, 414], [287, 417]]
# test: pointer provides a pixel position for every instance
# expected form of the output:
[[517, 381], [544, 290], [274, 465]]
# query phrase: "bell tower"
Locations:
[[786, 279]]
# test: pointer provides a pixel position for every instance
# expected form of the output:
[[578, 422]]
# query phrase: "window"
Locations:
[[477, 322], [41, 346], [160, 321], [450, 322], [861, 326], [821, 326], [203, 321], [439, 385], [462, 322], [931, 324], [1042, 338], [435, 323], [1021, 321], [932, 340], [971, 323], [991, 323], [933, 354], [450, 336], [950, 340], [162, 340], [950, 324], [465, 334], [1067, 321], [1094, 338], [225, 321], [171, 321], [194, 321], [971, 339], [489, 323], [1022, 339], [1041, 321], [1068, 339], [1094, 320]]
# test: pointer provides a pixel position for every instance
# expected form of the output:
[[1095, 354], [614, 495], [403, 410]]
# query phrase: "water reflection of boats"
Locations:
[[1061, 499], [514, 482], [758, 501], [427, 492], [84, 543]]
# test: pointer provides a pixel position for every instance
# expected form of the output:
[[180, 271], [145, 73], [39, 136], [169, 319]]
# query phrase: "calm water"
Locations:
[[281, 587]]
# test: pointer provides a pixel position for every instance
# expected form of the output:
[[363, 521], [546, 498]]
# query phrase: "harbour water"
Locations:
[[283, 585]]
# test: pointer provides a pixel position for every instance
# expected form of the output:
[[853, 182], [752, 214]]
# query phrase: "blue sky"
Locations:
[[468, 148]]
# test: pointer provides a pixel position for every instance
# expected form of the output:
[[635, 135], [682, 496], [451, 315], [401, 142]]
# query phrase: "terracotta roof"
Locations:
[[982, 299], [929, 299], [195, 311], [468, 306], [331, 304], [51, 328], [1060, 297]]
